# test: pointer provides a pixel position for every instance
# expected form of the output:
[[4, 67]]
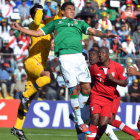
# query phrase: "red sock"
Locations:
[[94, 130], [125, 128]]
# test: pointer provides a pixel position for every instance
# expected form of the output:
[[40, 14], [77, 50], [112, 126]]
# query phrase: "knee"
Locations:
[[86, 90], [45, 73], [94, 120], [3, 85]]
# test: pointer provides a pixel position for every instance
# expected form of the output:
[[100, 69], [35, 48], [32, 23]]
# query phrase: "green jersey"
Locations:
[[68, 35]]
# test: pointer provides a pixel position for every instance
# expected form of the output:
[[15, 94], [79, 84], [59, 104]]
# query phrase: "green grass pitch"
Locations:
[[53, 134]]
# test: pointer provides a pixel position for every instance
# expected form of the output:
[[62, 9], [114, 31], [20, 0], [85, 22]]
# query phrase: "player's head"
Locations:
[[103, 54], [34, 8], [68, 10], [93, 56]]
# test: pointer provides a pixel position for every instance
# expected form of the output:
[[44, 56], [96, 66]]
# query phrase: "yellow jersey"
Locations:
[[40, 46]]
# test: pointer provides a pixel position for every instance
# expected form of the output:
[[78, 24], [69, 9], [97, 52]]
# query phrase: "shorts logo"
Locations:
[[75, 22], [60, 22], [92, 108], [38, 64]]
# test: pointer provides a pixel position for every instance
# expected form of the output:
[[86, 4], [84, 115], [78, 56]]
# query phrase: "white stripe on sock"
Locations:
[[122, 126]]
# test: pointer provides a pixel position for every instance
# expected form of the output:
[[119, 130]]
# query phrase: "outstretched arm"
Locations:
[[27, 31], [98, 33]]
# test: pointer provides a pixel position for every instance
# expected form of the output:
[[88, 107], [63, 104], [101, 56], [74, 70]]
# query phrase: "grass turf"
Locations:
[[53, 134]]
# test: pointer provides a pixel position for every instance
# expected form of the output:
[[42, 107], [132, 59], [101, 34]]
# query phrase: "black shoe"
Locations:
[[24, 102], [18, 133]]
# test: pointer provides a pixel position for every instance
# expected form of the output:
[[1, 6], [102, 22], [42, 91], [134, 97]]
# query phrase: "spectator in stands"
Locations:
[[7, 9], [6, 84], [88, 10], [20, 53], [4, 28], [20, 86], [115, 44], [100, 11], [137, 14], [129, 16], [104, 43], [6, 51], [51, 53], [128, 48], [104, 23], [50, 9], [136, 40], [134, 91], [61, 83], [123, 33], [12, 39], [117, 24], [24, 10], [18, 72]]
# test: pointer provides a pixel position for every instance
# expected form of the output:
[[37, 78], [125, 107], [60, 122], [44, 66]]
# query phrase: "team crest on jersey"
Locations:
[[75, 22], [98, 74], [60, 22]]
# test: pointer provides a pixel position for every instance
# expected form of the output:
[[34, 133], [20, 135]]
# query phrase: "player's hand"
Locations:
[[15, 25], [131, 70], [110, 77], [110, 35]]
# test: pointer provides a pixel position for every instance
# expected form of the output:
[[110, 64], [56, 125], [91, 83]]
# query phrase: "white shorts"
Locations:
[[74, 69]]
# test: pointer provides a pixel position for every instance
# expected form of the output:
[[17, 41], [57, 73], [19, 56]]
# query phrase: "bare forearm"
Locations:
[[120, 82], [31, 32], [96, 33]]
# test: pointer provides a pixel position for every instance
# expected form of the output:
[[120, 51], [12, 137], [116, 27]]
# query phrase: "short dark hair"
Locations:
[[105, 49], [66, 4], [33, 9]]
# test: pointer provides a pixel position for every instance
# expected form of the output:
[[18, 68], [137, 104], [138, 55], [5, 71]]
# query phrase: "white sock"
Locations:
[[76, 109], [82, 99], [110, 133]]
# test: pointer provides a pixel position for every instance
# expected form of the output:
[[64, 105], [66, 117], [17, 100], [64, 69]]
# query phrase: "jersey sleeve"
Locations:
[[122, 75], [48, 28], [84, 27]]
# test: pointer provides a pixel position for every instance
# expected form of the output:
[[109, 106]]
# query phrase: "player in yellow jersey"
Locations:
[[35, 66]]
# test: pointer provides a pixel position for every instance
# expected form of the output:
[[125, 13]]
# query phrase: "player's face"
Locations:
[[103, 55], [69, 12], [93, 57]]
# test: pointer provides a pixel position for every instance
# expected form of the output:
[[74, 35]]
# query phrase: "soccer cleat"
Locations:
[[24, 102], [84, 129], [18, 133], [138, 124]]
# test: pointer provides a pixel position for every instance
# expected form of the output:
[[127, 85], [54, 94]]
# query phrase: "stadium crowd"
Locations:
[[121, 18]]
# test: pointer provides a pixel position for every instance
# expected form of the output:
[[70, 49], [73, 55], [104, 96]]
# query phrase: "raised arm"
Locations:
[[27, 31], [98, 33]]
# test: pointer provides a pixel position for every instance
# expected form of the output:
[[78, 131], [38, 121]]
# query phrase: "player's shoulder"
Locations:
[[116, 64]]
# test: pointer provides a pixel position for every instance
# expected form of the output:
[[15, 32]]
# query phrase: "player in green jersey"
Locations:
[[68, 47]]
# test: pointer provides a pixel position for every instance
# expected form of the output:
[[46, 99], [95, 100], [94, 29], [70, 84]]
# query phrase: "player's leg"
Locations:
[[69, 66], [84, 95], [120, 125], [17, 129], [138, 123], [110, 133], [36, 70]]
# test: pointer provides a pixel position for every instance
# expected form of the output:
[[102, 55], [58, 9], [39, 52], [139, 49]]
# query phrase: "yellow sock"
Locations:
[[20, 117], [40, 82]]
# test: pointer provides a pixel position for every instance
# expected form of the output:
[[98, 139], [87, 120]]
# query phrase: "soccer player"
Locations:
[[85, 113], [35, 66], [68, 47], [133, 71], [104, 98]]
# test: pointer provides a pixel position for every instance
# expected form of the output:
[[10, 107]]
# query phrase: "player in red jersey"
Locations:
[[107, 75]]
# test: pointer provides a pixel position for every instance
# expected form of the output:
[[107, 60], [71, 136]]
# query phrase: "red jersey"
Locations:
[[103, 86]]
